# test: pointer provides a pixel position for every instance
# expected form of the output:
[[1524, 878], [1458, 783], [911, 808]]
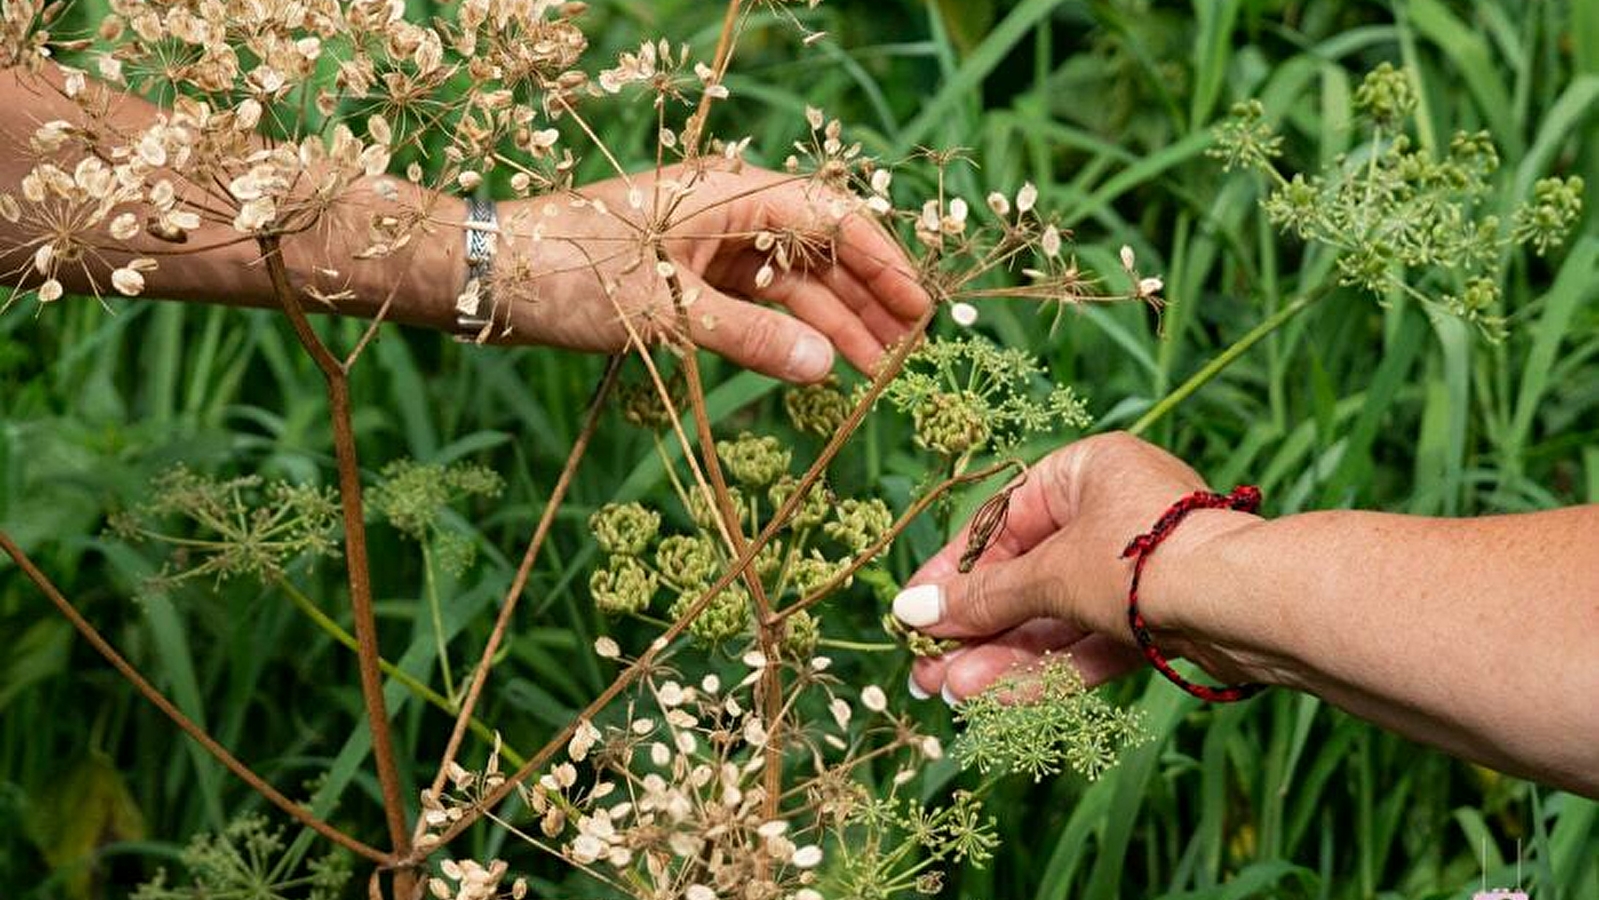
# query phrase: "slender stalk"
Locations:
[[513, 595], [1224, 359], [892, 534], [767, 634], [405, 679], [356, 566], [188, 726], [890, 369]]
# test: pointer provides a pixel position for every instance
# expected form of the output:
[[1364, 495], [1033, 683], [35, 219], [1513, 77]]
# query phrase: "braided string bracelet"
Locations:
[[1244, 498]]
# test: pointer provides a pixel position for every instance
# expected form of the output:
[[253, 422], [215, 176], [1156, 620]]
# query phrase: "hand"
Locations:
[[587, 279], [1054, 581]]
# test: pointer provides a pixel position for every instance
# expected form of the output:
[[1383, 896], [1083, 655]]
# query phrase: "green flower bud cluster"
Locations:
[[1398, 216], [1555, 207], [808, 573], [727, 616], [859, 524], [641, 402], [969, 395], [951, 424], [1386, 95], [227, 527], [919, 644], [801, 631], [754, 461], [1060, 725], [688, 562], [624, 586], [1245, 140], [624, 529], [818, 409], [413, 496], [812, 511], [702, 509]]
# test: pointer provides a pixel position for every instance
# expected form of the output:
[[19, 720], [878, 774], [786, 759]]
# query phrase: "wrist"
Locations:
[[1199, 602]]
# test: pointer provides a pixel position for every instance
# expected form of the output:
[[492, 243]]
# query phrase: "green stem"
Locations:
[[432, 586], [334, 630], [1226, 358]]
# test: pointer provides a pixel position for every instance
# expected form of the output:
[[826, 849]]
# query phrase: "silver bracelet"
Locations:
[[474, 310]]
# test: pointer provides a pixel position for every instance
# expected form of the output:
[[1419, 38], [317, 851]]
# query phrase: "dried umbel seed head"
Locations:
[[859, 524], [727, 616], [755, 461], [818, 409], [811, 512], [951, 424], [623, 587], [687, 561], [800, 634], [624, 529]]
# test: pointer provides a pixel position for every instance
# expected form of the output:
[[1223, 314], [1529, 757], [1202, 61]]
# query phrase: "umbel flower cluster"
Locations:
[[817, 549], [1406, 221], [671, 797]]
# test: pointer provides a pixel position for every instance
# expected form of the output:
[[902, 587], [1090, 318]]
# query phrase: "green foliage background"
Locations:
[[1107, 106]]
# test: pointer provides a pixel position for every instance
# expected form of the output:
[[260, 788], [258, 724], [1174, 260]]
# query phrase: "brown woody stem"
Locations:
[[890, 368], [296, 811], [480, 673], [338, 389]]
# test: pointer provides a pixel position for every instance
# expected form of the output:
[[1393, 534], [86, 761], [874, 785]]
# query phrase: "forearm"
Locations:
[[1480, 636], [214, 262]]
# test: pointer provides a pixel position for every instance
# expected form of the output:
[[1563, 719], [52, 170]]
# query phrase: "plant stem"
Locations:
[[416, 686], [1226, 358], [356, 565], [296, 811], [886, 372], [431, 586], [480, 673]]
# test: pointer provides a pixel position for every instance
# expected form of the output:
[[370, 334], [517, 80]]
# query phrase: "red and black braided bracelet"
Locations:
[[1244, 498]]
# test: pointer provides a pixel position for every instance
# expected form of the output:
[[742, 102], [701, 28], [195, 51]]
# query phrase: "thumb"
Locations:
[[757, 337], [992, 598]]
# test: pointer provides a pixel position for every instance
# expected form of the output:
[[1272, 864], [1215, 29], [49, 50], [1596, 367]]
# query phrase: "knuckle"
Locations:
[[762, 338]]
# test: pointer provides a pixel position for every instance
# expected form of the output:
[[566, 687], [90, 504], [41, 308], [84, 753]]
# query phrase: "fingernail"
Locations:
[[914, 689], [920, 606], [810, 358], [950, 699]]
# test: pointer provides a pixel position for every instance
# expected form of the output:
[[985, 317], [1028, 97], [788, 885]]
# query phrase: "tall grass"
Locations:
[[1349, 404]]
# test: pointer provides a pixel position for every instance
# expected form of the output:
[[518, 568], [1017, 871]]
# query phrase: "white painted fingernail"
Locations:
[[914, 689], [950, 699], [810, 358], [920, 606]]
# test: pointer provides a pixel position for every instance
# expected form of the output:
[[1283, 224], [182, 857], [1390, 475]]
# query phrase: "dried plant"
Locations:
[[724, 759]]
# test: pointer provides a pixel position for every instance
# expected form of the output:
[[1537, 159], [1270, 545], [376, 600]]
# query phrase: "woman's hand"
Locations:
[[588, 280], [1054, 581]]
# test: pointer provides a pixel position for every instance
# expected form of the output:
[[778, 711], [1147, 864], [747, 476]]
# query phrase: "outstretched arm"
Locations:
[[575, 270], [1477, 636]]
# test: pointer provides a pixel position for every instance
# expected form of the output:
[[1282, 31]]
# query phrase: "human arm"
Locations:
[[1477, 636], [577, 286]]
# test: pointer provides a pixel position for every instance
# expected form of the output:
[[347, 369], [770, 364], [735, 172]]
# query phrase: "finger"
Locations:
[[873, 257], [884, 325], [1038, 508], [822, 309], [1027, 641], [757, 338], [814, 303], [1096, 658], [992, 598]]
